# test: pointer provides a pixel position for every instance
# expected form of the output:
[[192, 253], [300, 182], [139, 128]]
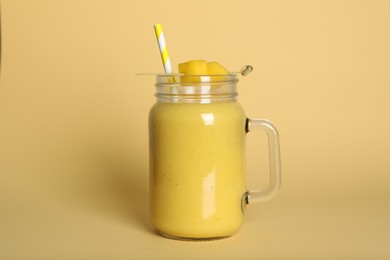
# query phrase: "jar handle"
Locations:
[[274, 160]]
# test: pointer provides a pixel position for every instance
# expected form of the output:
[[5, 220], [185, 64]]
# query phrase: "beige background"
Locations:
[[73, 125]]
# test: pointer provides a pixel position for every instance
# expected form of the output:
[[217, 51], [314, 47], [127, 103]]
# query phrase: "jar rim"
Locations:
[[196, 88]]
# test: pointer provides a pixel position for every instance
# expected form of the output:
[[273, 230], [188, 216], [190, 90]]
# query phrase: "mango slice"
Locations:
[[194, 68], [214, 68]]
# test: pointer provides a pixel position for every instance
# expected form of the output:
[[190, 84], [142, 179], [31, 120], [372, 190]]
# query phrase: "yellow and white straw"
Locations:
[[163, 48]]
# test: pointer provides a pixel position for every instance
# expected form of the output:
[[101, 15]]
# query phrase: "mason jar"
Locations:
[[197, 133]]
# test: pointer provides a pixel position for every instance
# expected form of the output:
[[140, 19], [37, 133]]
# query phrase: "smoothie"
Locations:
[[197, 168]]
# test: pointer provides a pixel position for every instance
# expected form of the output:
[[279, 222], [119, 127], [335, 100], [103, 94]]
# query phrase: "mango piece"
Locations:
[[214, 68], [194, 68]]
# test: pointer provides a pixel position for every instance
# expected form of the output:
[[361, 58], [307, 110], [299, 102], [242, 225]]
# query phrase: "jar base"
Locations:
[[191, 238]]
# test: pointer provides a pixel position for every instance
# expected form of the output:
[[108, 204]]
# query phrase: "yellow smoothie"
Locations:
[[197, 168]]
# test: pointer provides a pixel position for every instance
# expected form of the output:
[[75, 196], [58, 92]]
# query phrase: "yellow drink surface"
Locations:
[[197, 168]]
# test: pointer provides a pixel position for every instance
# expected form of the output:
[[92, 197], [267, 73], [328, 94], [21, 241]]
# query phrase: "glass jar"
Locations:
[[197, 141]]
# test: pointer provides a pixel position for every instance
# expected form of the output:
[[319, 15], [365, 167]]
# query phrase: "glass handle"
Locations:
[[274, 160]]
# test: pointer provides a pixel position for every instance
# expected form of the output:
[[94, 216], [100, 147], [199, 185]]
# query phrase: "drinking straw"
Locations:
[[163, 48]]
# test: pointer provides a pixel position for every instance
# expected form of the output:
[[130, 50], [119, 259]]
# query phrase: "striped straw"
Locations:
[[163, 48]]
